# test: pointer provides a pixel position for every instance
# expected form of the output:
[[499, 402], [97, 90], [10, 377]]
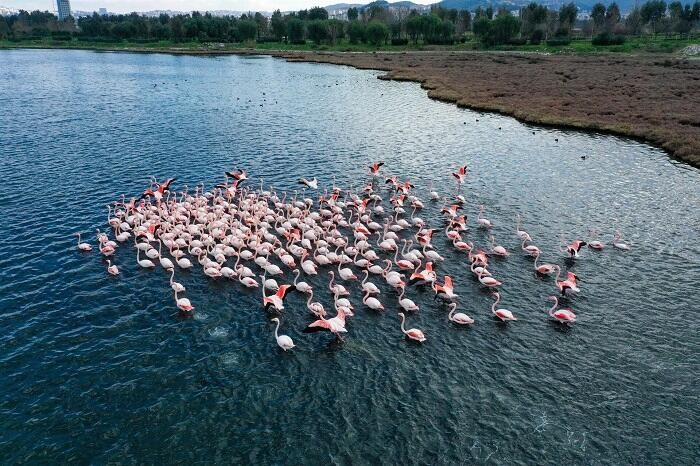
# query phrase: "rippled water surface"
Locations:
[[99, 369]]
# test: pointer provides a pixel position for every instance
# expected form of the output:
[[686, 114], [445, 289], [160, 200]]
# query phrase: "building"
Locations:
[[63, 9]]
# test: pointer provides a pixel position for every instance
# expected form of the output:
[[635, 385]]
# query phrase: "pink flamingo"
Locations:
[[544, 269], [567, 285], [503, 314], [530, 249], [112, 269], [459, 318], [497, 249], [372, 302], [335, 325], [183, 303], [412, 333], [561, 315], [85, 247]]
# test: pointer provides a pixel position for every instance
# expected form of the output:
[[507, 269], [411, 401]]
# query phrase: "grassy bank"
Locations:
[[649, 44]]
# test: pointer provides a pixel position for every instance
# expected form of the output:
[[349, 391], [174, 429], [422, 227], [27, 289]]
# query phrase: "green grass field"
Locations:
[[657, 44]]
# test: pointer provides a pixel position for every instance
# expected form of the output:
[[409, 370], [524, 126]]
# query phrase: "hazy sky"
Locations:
[[122, 6]]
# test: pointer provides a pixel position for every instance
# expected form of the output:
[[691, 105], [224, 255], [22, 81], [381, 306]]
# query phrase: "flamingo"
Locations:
[[374, 168], [522, 234], [544, 269], [561, 315], [369, 286], [372, 302], [425, 275], [166, 263], [183, 303], [412, 333], [530, 249], [335, 325], [446, 290], [503, 314], [406, 303], [488, 280], [312, 183], [617, 242], [337, 288], [175, 285], [283, 341], [300, 286], [145, 263], [345, 273], [594, 243], [459, 318], [496, 249], [112, 269], [85, 247], [568, 285], [275, 300], [481, 220], [316, 308], [573, 249], [248, 282]]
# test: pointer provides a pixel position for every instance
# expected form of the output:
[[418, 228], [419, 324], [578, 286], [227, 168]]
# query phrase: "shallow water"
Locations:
[[98, 369]]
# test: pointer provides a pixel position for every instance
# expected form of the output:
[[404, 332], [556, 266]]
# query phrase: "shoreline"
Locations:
[[653, 99]]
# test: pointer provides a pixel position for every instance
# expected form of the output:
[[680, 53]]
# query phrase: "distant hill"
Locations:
[[585, 5]]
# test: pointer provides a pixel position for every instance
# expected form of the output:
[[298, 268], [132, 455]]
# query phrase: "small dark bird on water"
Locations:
[[583, 157], [556, 139]]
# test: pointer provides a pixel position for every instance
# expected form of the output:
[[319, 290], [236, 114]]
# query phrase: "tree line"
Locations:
[[374, 25]]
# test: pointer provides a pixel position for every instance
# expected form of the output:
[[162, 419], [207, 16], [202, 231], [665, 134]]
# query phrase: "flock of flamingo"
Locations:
[[344, 232]]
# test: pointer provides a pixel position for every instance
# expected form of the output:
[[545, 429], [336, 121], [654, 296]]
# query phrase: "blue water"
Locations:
[[98, 369]]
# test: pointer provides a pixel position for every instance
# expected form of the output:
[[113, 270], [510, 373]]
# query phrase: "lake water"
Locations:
[[97, 369]]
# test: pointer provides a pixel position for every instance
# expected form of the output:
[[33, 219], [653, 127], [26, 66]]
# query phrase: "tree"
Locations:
[[567, 16], [598, 15], [464, 21], [377, 33], [504, 28], [352, 14], [277, 25], [413, 27], [533, 18], [317, 30], [4, 28], [247, 30], [295, 30], [261, 24], [612, 15], [634, 22], [482, 29], [652, 12], [356, 32], [336, 29], [317, 12]]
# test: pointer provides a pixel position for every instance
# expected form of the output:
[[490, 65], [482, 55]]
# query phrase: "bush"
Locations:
[[356, 32], [60, 35], [399, 41], [536, 37], [517, 41], [439, 41], [377, 33], [558, 41], [606, 38], [265, 39], [298, 42]]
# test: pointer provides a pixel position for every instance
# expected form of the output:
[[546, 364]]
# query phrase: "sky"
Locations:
[[125, 6]]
